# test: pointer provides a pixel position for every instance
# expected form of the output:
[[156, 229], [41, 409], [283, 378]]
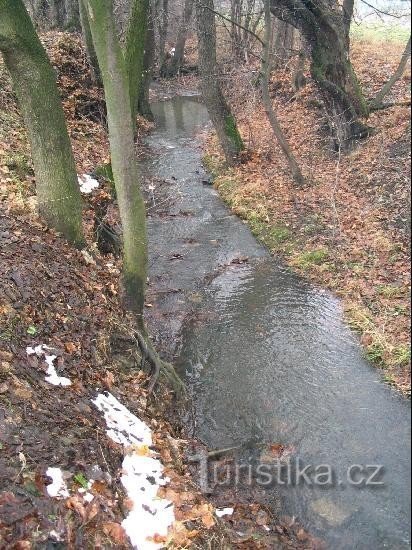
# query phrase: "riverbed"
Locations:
[[270, 365]]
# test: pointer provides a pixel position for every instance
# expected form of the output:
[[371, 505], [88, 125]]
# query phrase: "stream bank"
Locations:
[[268, 358]]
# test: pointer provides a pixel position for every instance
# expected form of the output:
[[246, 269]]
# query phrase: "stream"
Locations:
[[268, 358]]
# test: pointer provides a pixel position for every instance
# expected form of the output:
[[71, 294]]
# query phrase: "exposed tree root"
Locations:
[[159, 367], [382, 106]]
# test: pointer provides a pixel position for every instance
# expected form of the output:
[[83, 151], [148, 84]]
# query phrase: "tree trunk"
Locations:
[[378, 101], [219, 111], [124, 162], [126, 176], [267, 101], [144, 108], [57, 14], [89, 46], [163, 28], [284, 43], [179, 54], [325, 27], [72, 15], [134, 51], [34, 82]]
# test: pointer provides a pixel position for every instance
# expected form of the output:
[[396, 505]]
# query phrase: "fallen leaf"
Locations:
[[76, 503], [115, 531]]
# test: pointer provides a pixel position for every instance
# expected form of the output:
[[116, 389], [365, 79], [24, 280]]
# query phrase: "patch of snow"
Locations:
[[52, 376], [142, 477], [58, 487], [224, 512], [38, 350], [124, 427], [87, 184], [55, 535], [88, 497]]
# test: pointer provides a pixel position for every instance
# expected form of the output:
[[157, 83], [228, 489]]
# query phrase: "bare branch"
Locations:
[[234, 23]]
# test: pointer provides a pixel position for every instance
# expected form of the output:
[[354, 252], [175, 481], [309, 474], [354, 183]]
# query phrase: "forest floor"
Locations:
[[348, 228], [69, 300]]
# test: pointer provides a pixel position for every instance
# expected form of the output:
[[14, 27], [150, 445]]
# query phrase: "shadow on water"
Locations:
[[269, 359]]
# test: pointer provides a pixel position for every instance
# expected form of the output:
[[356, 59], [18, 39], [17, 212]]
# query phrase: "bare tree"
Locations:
[[325, 26], [219, 111], [162, 18], [377, 102], [34, 82], [267, 101], [88, 44], [177, 61], [134, 50], [284, 43], [148, 63]]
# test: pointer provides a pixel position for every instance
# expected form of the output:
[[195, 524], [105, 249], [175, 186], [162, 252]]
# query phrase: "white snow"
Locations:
[[87, 184], [88, 497], [142, 477], [52, 376], [224, 512], [58, 488]]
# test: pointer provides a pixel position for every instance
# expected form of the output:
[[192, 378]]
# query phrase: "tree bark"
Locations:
[[144, 108], [124, 163], [72, 15], [219, 111], [284, 43], [267, 101], [34, 83], [325, 27], [134, 51], [178, 58], [378, 101], [89, 46], [57, 13], [163, 28]]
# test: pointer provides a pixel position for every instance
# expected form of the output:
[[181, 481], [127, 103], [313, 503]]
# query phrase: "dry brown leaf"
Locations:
[[76, 503], [115, 531]]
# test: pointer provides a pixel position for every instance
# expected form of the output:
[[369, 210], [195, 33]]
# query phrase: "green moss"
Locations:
[[314, 257], [389, 291], [375, 354], [402, 356], [233, 133], [280, 234], [19, 164]]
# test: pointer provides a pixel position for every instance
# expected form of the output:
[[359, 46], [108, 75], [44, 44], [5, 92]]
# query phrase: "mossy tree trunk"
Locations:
[[72, 15], [124, 163], [325, 25], [219, 111], [144, 108], [134, 51], [58, 192], [89, 46]]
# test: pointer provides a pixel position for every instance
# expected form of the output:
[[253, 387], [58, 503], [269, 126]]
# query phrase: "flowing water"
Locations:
[[268, 357]]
